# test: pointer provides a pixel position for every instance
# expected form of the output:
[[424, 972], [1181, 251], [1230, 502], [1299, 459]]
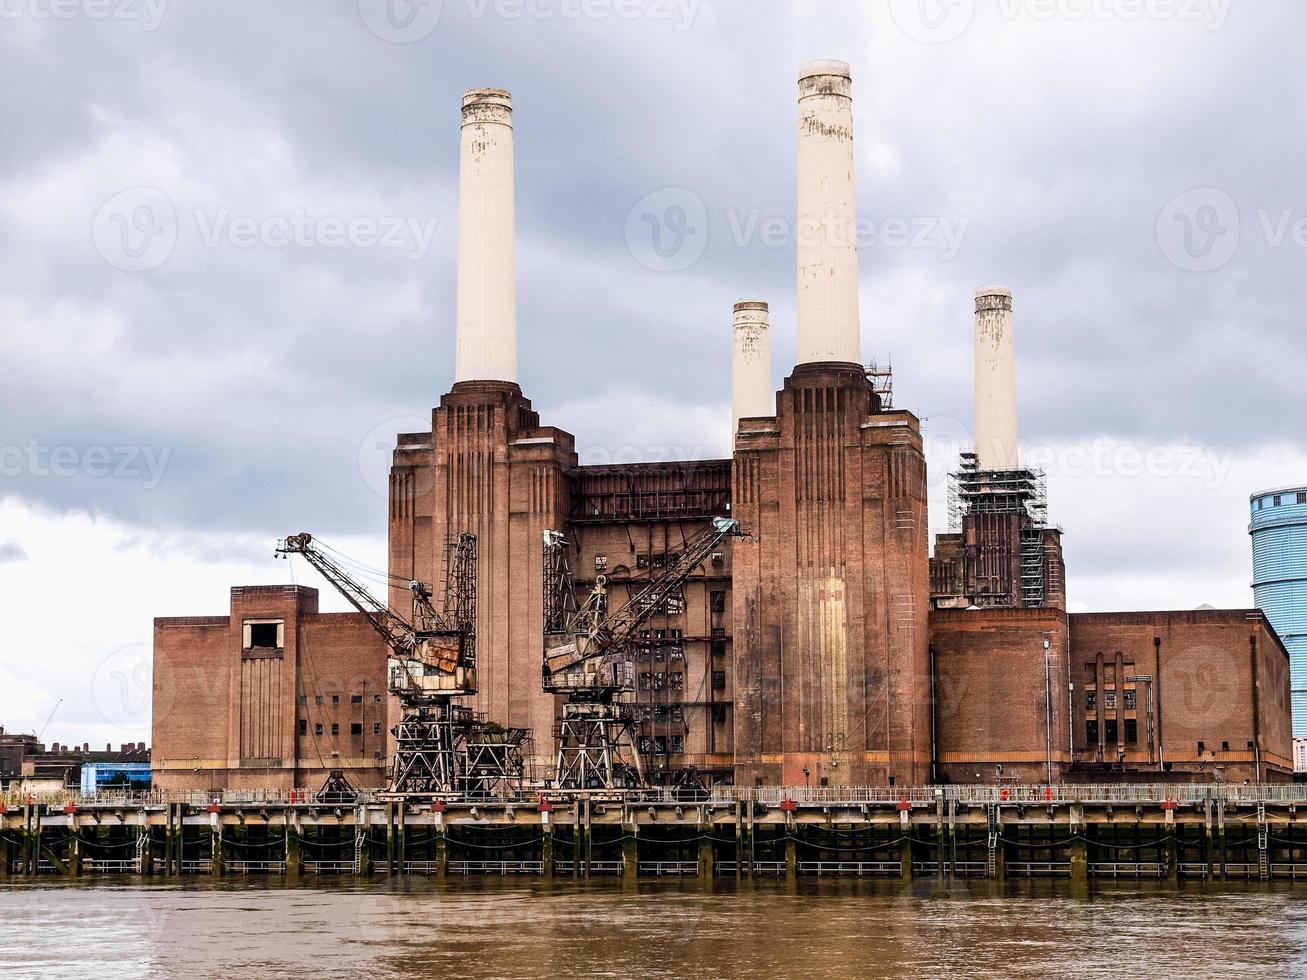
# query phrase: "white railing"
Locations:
[[254, 867], [1037, 869], [496, 867], [669, 868], [1127, 869], [840, 868]]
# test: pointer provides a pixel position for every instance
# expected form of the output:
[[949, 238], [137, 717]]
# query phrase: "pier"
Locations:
[[1213, 832]]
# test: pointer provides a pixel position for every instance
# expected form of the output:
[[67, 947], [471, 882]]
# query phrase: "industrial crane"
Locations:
[[441, 747], [589, 659]]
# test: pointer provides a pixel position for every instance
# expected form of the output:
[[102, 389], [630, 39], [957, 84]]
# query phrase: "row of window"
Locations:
[[335, 699], [1278, 500], [1110, 731], [354, 729], [1128, 698], [662, 744]]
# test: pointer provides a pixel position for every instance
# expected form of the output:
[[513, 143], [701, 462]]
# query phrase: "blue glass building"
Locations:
[[1279, 531]]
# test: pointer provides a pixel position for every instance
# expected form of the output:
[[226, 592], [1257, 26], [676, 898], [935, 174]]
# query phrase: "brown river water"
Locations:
[[532, 929]]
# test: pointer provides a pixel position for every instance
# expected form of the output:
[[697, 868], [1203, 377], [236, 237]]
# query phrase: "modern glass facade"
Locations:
[[1279, 532]]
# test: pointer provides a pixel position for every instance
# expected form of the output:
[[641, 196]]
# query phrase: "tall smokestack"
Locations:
[[996, 381], [828, 250], [486, 346], [750, 364]]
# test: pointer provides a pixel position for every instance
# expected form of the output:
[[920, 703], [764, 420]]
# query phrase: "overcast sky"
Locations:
[[227, 271]]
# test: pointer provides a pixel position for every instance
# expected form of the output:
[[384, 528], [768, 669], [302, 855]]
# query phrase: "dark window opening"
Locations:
[[317, 729], [335, 728], [1201, 748], [719, 602], [1225, 746], [376, 728], [1129, 700], [1091, 732], [719, 680], [1109, 730], [304, 727], [719, 714], [317, 699], [356, 728], [1091, 700], [263, 636], [719, 648], [356, 699], [335, 699], [1302, 496], [1131, 730]]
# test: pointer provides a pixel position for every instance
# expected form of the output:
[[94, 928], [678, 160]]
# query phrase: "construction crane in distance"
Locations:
[[442, 747], [589, 659]]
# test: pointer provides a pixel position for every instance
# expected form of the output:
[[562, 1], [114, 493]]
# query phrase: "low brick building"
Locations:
[[274, 695]]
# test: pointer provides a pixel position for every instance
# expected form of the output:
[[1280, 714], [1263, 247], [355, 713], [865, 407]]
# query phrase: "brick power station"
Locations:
[[826, 648]]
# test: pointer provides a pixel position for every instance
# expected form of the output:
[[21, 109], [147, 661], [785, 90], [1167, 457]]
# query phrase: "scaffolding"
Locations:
[[1023, 492]]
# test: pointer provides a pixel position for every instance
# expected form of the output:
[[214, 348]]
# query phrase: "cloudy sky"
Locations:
[[227, 271]]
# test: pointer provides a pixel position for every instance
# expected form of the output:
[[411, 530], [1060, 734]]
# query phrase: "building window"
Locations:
[[356, 699], [676, 713], [356, 728], [1129, 700], [376, 728], [335, 728], [376, 699], [1225, 746], [1109, 730], [1109, 700], [265, 635], [317, 729], [304, 727], [1131, 730], [1091, 700], [317, 699], [1091, 732], [719, 714], [302, 699], [335, 699], [719, 632], [1275, 501], [719, 602], [676, 743], [719, 648], [1202, 747], [1302, 496], [676, 681], [719, 680]]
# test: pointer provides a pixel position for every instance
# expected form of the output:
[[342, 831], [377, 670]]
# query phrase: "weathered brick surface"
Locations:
[[227, 716]]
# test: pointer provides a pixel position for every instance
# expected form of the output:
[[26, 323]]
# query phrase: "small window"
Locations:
[[719, 632], [676, 713], [335, 699], [1091, 700], [376, 728], [335, 728], [1275, 501], [1131, 730], [719, 714], [719, 648], [1109, 730], [376, 699], [719, 602], [1091, 732], [263, 636], [317, 699], [1129, 700], [676, 681], [1202, 747], [1109, 700], [1225, 746], [1302, 496], [356, 728], [317, 729], [719, 680], [676, 743], [356, 699], [304, 727], [302, 699]]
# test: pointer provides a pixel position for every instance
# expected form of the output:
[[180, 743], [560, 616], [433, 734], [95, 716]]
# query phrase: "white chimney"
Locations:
[[486, 345], [827, 215], [996, 381], [751, 394]]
